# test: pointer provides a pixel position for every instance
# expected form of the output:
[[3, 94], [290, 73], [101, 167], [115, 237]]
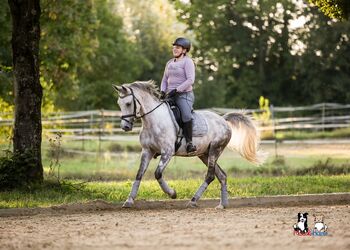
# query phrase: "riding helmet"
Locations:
[[183, 42]]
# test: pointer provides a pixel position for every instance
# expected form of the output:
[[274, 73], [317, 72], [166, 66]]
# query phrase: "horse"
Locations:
[[140, 100]]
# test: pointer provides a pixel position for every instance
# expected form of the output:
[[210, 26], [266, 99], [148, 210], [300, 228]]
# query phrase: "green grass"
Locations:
[[280, 167], [125, 166], [134, 146], [71, 191], [304, 135], [300, 170], [95, 145]]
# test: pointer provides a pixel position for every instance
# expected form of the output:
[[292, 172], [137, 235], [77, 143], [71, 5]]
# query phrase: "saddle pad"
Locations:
[[199, 125]]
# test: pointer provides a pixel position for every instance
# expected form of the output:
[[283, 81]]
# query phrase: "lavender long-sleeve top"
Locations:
[[179, 75]]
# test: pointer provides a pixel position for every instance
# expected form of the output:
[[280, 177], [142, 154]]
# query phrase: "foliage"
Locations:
[[67, 41], [326, 167], [16, 171], [115, 60], [305, 135], [152, 25], [117, 147], [284, 50], [279, 168], [339, 9], [88, 45], [73, 191], [54, 153], [6, 113], [5, 54], [265, 114], [100, 163], [326, 63]]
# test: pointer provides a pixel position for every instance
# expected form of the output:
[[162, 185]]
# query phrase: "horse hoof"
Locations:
[[128, 204], [173, 195], [220, 207], [192, 204]]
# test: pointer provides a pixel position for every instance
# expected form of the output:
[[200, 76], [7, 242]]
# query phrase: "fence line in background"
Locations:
[[104, 124]]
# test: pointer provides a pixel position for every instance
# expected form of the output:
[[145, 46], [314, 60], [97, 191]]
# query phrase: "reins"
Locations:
[[134, 114]]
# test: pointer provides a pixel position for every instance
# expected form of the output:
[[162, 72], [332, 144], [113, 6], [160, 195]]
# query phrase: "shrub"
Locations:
[[116, 147], [325, 168], [16, 171]]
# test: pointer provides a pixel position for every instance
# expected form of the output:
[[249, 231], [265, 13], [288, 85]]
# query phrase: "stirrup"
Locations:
[[190, 148]]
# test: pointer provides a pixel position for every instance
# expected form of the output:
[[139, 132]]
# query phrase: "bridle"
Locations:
[[134, 114]]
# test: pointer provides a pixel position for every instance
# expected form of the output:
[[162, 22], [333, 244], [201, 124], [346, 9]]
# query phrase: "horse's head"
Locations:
[[129, 106]]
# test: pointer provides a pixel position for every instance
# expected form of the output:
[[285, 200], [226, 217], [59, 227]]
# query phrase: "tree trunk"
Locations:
[[28, 91]]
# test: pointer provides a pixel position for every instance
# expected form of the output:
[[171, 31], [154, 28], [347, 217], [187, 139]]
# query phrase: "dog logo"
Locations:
[[320, 228], [301, 227]]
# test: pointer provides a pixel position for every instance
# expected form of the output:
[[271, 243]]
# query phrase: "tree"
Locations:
[[153, 27], [28, 91], [282, 49], [115, 60], [242, 48], [68, 42], [6, 87], [326, 63], [339, 9]]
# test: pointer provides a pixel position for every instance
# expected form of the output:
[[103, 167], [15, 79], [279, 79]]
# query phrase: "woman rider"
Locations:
[[178, 78]]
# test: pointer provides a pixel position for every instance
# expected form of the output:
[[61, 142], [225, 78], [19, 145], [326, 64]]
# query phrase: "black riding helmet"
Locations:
[[183, 42]]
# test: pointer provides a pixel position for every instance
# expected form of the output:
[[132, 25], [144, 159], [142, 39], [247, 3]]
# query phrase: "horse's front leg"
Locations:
[[164, 160], [145, 160]]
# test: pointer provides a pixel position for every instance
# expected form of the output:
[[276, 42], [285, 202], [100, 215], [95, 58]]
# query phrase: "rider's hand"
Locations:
[[162, 95], [172, 93]]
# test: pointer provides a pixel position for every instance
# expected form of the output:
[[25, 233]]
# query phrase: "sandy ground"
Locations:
[[200, 228]]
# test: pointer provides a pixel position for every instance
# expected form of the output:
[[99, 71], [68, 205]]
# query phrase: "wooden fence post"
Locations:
[[323, 115], [274, 128]]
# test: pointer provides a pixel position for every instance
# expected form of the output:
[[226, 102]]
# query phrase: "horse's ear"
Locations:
[[120, 89], [117, 88]]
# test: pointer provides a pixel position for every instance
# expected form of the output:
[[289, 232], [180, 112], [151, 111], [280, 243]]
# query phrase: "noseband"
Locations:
[[134, 114]]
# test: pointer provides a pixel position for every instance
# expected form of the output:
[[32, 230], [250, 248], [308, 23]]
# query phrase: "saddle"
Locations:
[[199, 124]]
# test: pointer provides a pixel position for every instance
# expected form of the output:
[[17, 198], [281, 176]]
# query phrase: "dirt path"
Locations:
[[202, 228]]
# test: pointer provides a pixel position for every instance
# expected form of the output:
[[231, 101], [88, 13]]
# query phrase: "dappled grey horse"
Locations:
[[159, 133]]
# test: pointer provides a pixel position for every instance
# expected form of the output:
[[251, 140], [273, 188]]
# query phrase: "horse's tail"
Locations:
[[245, 138]]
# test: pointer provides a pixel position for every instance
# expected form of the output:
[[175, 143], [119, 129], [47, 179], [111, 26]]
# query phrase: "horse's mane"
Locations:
[[146, 86]]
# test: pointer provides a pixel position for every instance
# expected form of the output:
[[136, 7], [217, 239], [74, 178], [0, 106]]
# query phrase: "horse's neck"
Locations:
[[155, 118]]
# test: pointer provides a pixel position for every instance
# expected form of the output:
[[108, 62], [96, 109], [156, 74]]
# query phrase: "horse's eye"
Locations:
[[128, 104]]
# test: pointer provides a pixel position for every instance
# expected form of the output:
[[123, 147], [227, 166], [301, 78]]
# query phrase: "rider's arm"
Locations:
[[190, 76], [164, 84]]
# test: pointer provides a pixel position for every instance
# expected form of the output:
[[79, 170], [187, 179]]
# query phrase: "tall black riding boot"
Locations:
[[187, 130]]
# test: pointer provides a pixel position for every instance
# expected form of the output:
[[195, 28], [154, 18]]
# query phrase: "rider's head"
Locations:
[[181, 46]]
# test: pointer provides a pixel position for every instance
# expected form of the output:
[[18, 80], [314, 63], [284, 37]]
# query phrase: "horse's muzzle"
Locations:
[[126, 126]]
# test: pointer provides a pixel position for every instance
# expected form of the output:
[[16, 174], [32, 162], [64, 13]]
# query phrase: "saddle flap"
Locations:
[[199, 123]]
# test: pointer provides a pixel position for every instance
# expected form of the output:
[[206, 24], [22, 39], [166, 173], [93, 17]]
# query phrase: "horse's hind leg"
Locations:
[[164, 160], [221, 175], [213, 154]]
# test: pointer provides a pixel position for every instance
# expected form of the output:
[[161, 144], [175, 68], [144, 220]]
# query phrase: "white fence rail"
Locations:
[[104, 124]]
